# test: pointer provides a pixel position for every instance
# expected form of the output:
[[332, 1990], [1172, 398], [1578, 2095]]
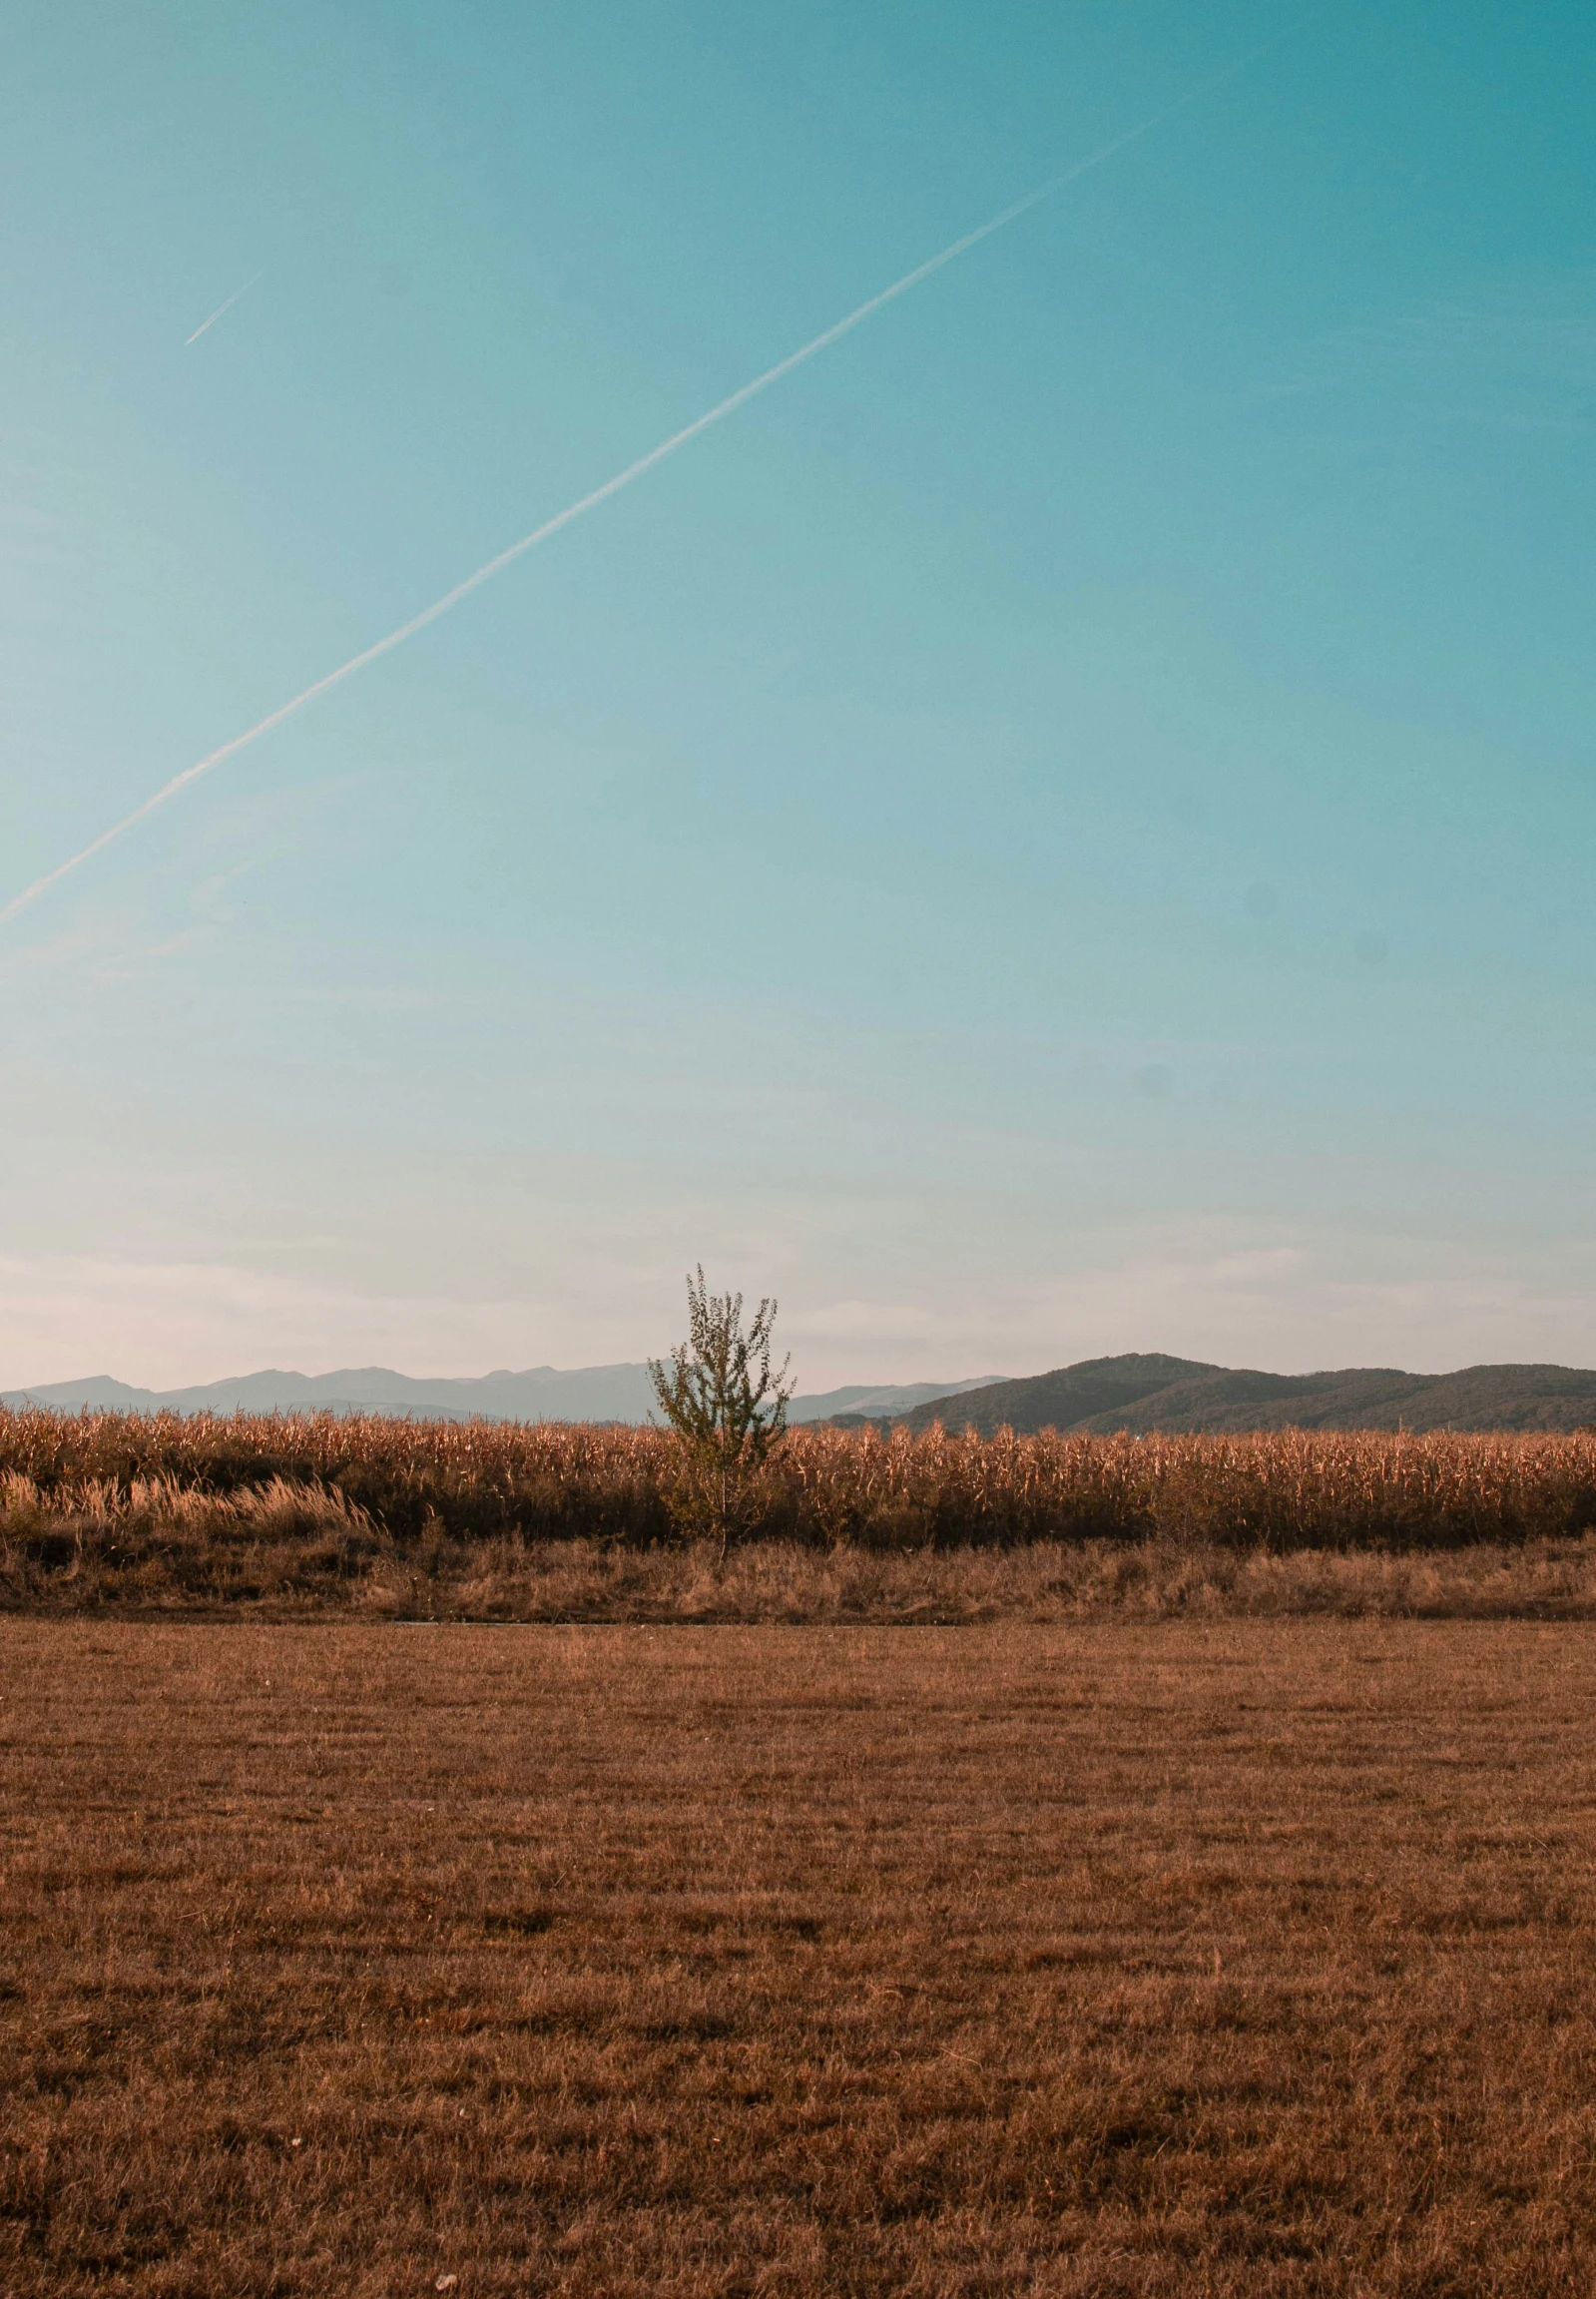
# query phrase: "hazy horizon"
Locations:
[[614, 1393], [949, 1385], [1064, 826]]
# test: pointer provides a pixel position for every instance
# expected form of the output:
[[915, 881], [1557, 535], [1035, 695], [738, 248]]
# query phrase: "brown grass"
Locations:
[[831, 1487], [291, 1553], [438, 1519], [1236, 1961], [394, 1520]]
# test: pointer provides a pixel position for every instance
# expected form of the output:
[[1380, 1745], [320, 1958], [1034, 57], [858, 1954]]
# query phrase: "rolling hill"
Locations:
[[1144, 1394], [1173, 1396]]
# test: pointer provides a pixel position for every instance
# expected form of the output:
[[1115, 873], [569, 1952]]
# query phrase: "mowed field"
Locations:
[[1242, 1958]]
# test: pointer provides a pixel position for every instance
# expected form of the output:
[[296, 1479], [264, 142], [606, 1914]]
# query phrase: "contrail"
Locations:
[[220, 308], [655, 455]]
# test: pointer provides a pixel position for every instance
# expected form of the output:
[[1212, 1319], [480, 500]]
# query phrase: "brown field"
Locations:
[[1193, 1959]]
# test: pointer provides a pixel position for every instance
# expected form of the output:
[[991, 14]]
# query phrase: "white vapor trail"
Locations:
[[655, 455], [220, 308]]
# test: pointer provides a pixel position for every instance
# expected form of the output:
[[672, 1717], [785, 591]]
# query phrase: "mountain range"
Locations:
[[594, 1393], [1172, 1396], [1142, 1394]]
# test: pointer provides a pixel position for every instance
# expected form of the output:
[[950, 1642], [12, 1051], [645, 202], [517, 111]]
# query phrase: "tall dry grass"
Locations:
[[834, 1488], [395, 1518]]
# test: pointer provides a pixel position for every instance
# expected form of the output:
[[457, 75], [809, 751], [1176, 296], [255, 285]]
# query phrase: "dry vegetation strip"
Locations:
[[1188, 1960], [377, 1518], [419, 1481]]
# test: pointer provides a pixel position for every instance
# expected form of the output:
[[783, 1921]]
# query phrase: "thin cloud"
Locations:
[[656, 455], [220, 308]]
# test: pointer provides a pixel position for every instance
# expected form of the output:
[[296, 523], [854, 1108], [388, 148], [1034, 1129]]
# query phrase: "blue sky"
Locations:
[[1065, 826]]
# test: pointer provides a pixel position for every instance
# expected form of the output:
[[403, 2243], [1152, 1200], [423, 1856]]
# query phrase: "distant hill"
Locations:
[[594, 1393], [1174, 1394], [867, 1402], [1143, 1394]]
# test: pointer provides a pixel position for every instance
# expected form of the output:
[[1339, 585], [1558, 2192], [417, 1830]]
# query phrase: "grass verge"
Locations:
[[292, 1554]]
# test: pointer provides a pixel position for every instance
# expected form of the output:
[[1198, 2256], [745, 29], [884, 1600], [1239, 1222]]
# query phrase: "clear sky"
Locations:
[[1065, 826]]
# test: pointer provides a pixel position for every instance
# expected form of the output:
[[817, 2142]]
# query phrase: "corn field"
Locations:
[[410, 1483]]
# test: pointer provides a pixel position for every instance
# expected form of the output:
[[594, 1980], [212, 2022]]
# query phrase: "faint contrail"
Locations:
[[716, 414], [220, 308]]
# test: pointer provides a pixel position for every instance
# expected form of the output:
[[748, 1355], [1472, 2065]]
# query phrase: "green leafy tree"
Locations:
[[725, 1406]]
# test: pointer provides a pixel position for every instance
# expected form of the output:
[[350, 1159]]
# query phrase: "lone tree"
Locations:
[[725, 1406]]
